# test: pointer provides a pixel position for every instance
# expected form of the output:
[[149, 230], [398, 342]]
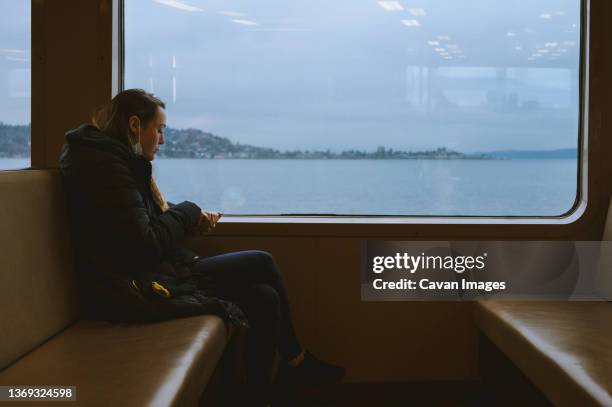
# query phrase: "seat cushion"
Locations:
[[160, 364], [565, 348]]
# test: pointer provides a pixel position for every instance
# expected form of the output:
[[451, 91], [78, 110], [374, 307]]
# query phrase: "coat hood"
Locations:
[[88, 142], [87, 146]]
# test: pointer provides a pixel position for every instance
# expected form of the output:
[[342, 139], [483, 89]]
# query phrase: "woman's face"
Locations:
[[151, 135]]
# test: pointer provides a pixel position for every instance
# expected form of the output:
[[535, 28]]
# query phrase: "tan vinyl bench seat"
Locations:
[[564, 348], [160, 364], [45, 343]]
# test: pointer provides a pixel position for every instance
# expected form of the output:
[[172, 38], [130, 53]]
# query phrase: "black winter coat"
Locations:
[[124, 242]]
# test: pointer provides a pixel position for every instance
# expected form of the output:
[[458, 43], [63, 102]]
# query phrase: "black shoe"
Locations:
[[311, 372]]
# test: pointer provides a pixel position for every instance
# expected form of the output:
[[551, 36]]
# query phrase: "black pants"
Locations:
[[252, 281]]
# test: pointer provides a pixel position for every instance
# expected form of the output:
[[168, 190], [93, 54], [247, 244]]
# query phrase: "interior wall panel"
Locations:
[[71, 70]]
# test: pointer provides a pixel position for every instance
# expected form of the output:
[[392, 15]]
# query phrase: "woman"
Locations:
[[131, 265]]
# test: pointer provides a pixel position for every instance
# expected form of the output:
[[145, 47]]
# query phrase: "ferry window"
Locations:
[[363, 107], [15, 62]]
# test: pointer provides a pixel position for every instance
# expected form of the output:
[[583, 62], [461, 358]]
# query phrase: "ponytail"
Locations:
[[99, 118]]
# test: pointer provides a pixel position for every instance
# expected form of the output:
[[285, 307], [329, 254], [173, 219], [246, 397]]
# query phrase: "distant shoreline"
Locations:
[[339, 158], [198, 144]]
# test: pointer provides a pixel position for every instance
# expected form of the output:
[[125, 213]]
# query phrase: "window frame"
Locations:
[[393, 225]]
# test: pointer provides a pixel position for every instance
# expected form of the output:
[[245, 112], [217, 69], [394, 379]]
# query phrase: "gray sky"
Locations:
[[473, 75], [15, 61]]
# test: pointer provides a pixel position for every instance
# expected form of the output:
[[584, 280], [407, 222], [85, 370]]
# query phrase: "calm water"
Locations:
[[14, 163], [403, 187]]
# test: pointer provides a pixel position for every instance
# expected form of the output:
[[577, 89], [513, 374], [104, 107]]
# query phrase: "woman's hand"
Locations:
[[208, 221]]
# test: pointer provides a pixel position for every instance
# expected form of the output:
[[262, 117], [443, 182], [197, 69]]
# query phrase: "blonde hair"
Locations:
[[112, 120], [158, 196]]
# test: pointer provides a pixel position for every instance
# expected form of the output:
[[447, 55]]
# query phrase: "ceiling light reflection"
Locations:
[[244, 22], [231, 13], [419, 12], [12, 50], [391, 5], [178, 5], [17, 59], [411, 23]]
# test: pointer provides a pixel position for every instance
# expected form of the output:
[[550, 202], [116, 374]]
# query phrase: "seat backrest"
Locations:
[[38, 283]]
